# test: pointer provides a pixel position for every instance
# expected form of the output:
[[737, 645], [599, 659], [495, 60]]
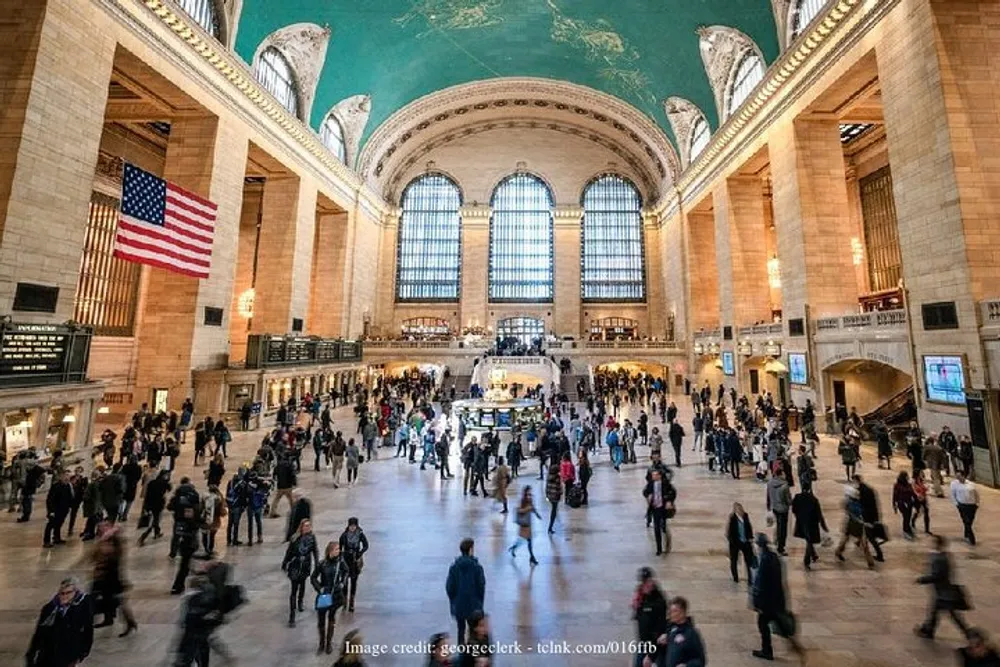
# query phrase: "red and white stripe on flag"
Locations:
[[164, 225]]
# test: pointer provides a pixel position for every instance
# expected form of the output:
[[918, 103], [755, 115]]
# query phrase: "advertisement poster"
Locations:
[[728, 364], [944, 378], [798, 372]]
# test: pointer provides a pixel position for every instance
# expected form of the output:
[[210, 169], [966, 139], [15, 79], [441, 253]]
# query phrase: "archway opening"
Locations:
[[879, 392]]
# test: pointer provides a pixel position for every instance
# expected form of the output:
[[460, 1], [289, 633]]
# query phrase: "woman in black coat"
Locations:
[[64, 633], [808, 522], [329, 579], [299, 557], [353, 545]]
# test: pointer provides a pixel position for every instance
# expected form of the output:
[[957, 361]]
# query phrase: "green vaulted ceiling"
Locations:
[[396, 51]]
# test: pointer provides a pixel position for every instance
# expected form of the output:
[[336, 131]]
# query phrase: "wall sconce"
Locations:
[[857, 251], [774, 272], [244, 305], [69, 419], [103, 410]]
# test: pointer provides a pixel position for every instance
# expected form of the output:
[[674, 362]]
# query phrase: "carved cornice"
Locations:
[[564, 216], [682, 115], [475, 213], [548, 97], [304, 45], [648, 182]]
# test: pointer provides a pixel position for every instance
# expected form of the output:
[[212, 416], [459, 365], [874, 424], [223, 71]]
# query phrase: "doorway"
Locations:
[[754, 382], [839, 393]]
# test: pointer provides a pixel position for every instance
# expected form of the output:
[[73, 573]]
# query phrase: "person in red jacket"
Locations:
[[567, 472]]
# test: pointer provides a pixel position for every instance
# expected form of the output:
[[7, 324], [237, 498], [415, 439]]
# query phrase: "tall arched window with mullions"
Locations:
[[749, 73], [521, 240], [804, 13], [613, 266], [275, 73], [205, 13], [429, 256]]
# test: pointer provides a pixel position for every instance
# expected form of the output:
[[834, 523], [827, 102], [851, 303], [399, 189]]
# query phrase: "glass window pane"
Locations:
[[805, 12], [521, 263], [748, 75], [202, 11], [700, 136], [429, 254], [527, 330], [275, 74], [332, 136], [612, 257]]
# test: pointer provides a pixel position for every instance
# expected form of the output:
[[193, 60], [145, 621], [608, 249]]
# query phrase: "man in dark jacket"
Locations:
[[808, 523], [466, 586], [65, 630], [57, 506], [948, 597], [650, 613], [676, 434], [739, 534], [301, 510], [33, 476], [186, 507], [112, 492], [871, 516], [684, 645], [286, 479], [132, 475], [768, 597], [153, 502]]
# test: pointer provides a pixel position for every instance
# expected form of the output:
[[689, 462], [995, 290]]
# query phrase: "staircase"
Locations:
[[897, 412], [568, 386], [462, 384]]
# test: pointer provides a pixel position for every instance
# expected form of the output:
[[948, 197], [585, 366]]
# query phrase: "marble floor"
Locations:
[[579, 593]]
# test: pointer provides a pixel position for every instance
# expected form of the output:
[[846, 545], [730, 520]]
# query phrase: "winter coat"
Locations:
[[466, 586], [779, 497], [299, 557], [684, 646], [301, 509], [733, 531], [353, 456], [808, 518], [553, 485], [768, 591], [502, 480], [59, 499], [567, 471], [934, 456], [651, 615], [62, 638], [676, 434], [156, 494], [353, 550], [330, 578], [285, 474]]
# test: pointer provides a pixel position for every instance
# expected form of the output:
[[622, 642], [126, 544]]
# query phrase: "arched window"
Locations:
[[429, 257], [275, 74], [804, 13], [749, 73], [611, 254], [525, 329], [332, 136], [204, 12], [521, 240], [700, 135]]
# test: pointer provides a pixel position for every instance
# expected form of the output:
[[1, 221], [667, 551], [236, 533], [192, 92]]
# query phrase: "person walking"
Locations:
[[935, 458], [848, 451], [685, 647], [770, 601], [779, 499], [465, 586], [153, 503], [213, 509], [676, 435], [353, 546], [920, 505], [553, 492], [64, 633], [301, 509], [186, 507], [300, 555], [353, 458], [338, 449], [854, 526], [809, 522], [649, 610], [584, 472], [903, 501], [285, 479], [524, 512], [875, 531], [947, 596], [739, 535], [500, 482], [237, 502], [329, 580], [966, 498], [58, 503], [660, 495], [109, 586]]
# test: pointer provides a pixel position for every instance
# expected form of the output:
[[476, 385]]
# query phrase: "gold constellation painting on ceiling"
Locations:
[[600, 42], [453, 14]]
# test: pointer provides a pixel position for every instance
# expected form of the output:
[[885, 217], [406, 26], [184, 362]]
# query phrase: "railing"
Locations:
[[549, 347], [632, 345], [881, 319], [770, 330], [990, 311]]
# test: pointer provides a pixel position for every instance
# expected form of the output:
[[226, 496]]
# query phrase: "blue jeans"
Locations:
[[233, 527], [254, 516], [616, 455], [697, 444]]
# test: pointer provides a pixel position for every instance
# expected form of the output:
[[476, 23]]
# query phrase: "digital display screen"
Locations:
[[486, 419], [503, 419], [728, 363], [798, 371], [944, 378]]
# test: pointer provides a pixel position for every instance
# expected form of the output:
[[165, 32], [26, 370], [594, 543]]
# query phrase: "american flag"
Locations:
[[163, 225]]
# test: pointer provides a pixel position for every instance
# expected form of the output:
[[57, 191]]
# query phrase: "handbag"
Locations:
[[785, 624], [144, 520], [670, 511], [324, 601]]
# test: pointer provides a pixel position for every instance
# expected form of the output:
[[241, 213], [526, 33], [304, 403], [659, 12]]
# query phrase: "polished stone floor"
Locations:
[[579, 593]]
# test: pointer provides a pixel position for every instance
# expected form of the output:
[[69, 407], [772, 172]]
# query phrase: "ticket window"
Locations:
[[238, 395], [19, 431], [61, 428]]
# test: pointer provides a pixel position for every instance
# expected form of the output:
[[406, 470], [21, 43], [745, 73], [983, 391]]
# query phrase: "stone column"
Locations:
[[326, 306], [243, 280], [675, 275], [53, 101], [741, 251], [812, 217], [567, 230], [475, 266], [703, 285], [364, 270], [287, 227], [208, 159], [385, 302], [655, 297], [940, 78]]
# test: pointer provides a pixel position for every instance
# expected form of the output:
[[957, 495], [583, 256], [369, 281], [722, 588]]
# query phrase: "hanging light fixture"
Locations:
[[857, 251], [774, 272]]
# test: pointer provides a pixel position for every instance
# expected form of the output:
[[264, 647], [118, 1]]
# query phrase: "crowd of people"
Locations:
[[411, 414]]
